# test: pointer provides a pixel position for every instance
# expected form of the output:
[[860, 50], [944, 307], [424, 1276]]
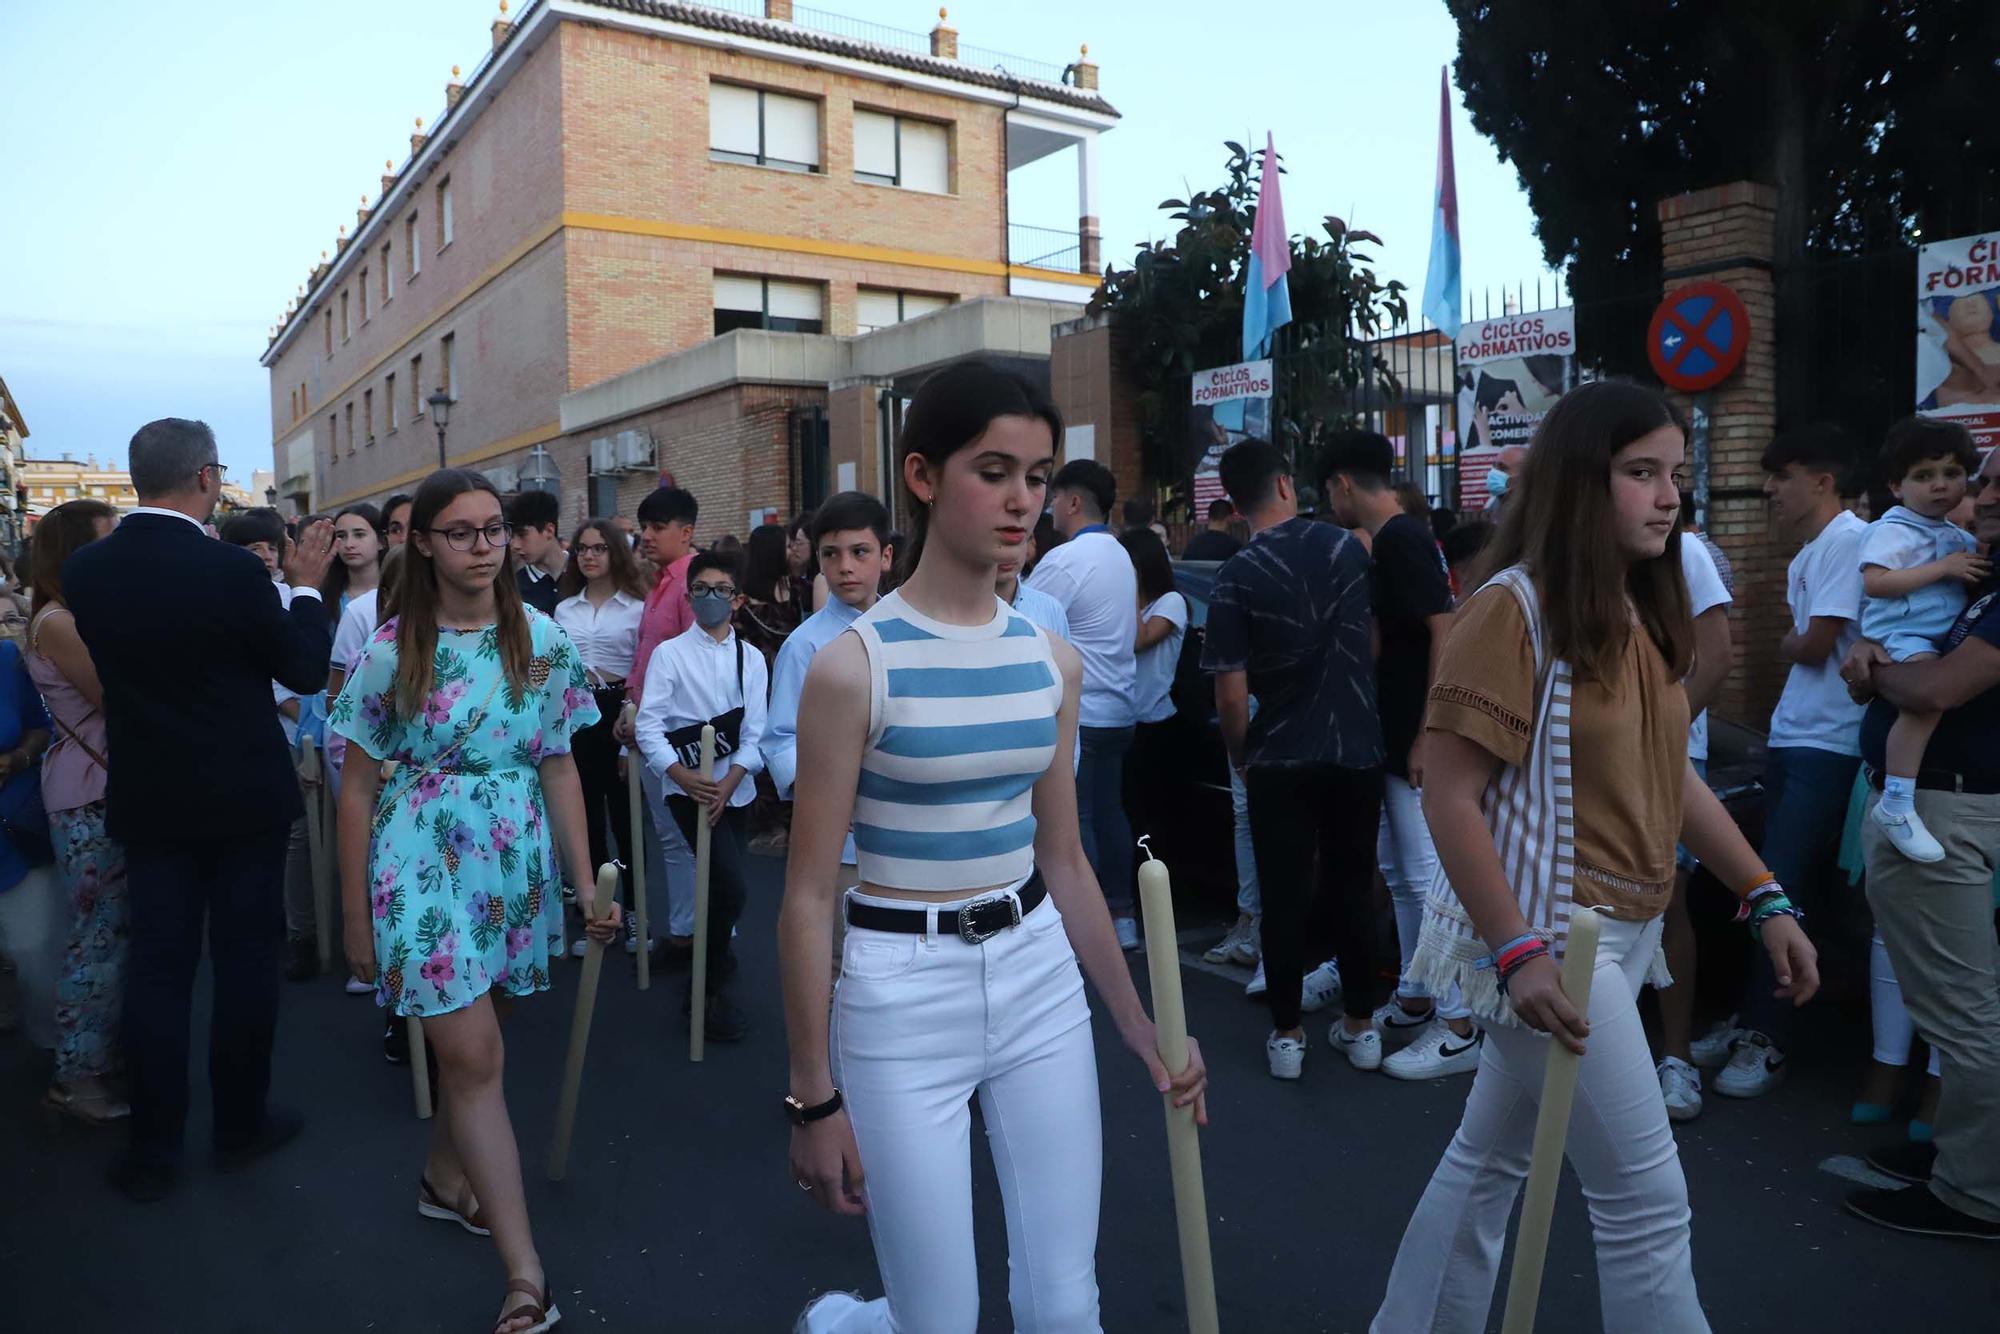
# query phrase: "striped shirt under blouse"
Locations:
[[962, 721]]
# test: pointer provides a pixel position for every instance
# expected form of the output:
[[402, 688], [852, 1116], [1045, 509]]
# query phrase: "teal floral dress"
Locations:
[[463, 878]]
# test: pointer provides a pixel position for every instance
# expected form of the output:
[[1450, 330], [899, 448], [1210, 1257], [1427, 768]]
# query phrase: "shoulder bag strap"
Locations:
[[385, 802]]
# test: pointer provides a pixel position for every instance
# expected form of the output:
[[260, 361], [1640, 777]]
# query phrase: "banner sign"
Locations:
[[1958, 334], [1511, 370], [1246, 379]]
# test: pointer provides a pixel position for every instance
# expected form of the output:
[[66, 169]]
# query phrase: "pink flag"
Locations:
[[1269, 240]]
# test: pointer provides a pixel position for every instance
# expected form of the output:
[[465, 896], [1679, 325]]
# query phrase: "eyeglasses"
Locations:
[[460, 539], [592, 549], [220, 471], [724, 591]]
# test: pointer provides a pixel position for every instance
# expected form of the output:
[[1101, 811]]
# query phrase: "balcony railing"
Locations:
[[899, 39], [1044, 248]]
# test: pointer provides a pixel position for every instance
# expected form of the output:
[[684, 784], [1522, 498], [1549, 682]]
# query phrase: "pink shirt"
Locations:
[[668, 613], [70, 777]]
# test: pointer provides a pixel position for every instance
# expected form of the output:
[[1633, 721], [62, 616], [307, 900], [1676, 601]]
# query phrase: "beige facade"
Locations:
[[50, 482], [597, 192]]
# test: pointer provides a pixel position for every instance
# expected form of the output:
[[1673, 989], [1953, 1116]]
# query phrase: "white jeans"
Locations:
[[34, 932], [1890, 1017], [1619, 1143], [1408, 859], [921, 1022], [1249, 899], [669, 860]]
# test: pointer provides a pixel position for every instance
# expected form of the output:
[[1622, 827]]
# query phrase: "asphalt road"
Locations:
[[679, 1213]]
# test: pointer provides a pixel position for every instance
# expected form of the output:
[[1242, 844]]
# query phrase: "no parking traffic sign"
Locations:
[[1698, 337]]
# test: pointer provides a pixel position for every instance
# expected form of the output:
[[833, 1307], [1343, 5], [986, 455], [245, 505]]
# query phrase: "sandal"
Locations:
[[432, 1205], [538, 1307], [92, 1109]]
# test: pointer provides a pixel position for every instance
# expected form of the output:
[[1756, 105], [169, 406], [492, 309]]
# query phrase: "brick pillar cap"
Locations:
[[1716, 197]]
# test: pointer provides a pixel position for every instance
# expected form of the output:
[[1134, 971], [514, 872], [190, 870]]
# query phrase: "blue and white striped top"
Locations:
[[961, 722]]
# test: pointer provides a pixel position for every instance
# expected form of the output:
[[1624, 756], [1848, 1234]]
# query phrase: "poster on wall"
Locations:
[[1958, 333], [1229, 403], [1511, 370]]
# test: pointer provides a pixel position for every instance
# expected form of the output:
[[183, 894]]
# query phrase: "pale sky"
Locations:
[[173, 170]]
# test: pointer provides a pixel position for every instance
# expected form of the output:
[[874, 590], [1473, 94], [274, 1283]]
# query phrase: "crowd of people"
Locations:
[[1453, 733]]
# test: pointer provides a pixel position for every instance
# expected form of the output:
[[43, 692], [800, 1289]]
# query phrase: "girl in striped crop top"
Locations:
[[939, 728]]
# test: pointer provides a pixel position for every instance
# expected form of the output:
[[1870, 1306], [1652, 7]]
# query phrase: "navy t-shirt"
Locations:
[[1967, 739], [1292, 611]]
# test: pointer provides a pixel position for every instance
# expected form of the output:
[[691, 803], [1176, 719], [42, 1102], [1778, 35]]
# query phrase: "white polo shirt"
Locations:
[[1824, 580], [1092, 580]]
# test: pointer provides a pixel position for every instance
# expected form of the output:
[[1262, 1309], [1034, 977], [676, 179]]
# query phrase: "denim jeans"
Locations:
[[669, 859], [1619, 1143], [1409, 863], [1100, 812], [1806, 805], [1249, 901]]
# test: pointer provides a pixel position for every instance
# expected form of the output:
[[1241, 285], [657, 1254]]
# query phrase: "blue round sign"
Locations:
[[1698, 337]]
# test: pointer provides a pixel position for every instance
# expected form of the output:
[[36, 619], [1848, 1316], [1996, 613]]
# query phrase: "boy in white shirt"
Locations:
[[706, 675], [1915, 566]]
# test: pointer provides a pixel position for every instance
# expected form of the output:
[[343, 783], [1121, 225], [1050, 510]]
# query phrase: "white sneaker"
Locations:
[[1755, 1068], [1255, 986], [1286, 1055], [1363, 1050], [1398, 1027], [631, 935], [579, 947], [1238, 944], [1680, 1089], [1320, 988], [1249, 947], [827, 1311], [1128, 933], [1713, 1047], [1437, 1052], [356, 987], [1908, 836]]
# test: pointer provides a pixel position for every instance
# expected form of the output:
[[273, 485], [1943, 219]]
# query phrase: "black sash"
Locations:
[[686, 741]]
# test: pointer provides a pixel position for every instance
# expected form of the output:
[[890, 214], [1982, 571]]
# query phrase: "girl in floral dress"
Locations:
[[451, 887]]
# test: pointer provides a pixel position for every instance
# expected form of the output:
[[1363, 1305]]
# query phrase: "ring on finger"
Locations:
[[805, 1185]]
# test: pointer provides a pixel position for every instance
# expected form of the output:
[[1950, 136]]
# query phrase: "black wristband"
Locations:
[[802, 1115]]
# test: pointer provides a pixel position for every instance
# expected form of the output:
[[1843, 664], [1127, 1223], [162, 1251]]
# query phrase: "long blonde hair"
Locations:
[[417, 598]]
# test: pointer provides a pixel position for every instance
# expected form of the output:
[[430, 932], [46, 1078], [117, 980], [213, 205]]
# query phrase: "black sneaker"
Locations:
[[396, 1040], [722, 1020], [1915, 1210], [303, 966], [1905, 1162], [280, 1128]]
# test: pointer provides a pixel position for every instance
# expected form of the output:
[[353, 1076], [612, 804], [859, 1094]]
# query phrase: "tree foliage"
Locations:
[[1179, 309], [1871, 117]]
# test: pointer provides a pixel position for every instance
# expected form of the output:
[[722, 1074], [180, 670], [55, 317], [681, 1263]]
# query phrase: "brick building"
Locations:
[[620, 181]]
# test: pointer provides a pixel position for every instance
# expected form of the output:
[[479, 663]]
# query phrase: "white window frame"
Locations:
[[762, 157], [445, 216], [413, 238], [900, 178]]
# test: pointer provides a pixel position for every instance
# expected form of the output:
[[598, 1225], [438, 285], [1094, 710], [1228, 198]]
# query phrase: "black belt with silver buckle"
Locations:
[[1943, 780], [973, 923]]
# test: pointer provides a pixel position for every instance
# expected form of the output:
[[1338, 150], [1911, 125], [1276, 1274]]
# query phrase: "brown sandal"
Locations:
[[538, 1307], [432, 1205]]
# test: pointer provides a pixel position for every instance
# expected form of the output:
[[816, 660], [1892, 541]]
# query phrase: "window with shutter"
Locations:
[[874, 147], [732, 122], [875, 309], [925, 157], [791, 132]]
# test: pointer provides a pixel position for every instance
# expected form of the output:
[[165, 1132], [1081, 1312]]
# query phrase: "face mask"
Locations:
[[1496, 483], [710, 609]]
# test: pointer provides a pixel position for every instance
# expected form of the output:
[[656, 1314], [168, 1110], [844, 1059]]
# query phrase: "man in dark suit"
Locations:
[[202, 793], [533, 517]]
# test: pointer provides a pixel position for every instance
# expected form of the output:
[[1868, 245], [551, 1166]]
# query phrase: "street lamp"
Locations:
[[440, 405], [271, 496]]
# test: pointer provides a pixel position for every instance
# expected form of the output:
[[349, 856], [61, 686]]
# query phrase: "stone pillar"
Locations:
[[1086, 73], [944, 40], [778, 11], [1726, 234]]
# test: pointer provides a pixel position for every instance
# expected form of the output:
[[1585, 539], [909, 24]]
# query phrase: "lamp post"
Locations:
[[271, 496], [440, 405]]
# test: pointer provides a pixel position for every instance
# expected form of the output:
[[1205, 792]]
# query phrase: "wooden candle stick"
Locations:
[[579, 1028], [637, 850], [1163, 956], [698, 1009], [312, 774], [1531, 1241]]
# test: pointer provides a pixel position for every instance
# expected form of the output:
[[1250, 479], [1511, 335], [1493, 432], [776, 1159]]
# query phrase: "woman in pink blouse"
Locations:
[[91, 985]]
